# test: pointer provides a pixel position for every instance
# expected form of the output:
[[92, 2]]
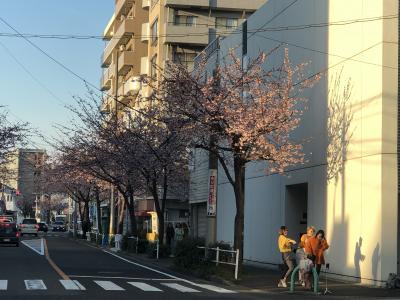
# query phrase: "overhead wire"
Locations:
[[230, 31]]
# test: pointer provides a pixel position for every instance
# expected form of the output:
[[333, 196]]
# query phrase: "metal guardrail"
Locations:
[[217, 257]]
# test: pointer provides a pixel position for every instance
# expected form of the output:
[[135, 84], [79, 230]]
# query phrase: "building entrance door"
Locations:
[[296, 209]]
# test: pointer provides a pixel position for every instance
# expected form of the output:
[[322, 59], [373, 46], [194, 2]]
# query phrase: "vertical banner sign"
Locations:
[[212, 194], [154, 222]]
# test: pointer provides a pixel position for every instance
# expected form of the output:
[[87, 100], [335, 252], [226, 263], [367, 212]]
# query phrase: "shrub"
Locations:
[[223, 256], [163, 250], [142, 245], [187, 255]]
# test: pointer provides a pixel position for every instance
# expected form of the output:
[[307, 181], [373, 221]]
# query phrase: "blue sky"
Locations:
[[26, 99]]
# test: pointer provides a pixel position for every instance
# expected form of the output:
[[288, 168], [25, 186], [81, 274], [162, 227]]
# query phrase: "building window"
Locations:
[[186, 59], [191, 21], [181, 20], [231, 23], [153, 67], [183, 213], [226, 23], [154, 32]]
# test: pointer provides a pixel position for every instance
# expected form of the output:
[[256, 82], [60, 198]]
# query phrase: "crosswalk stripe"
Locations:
[[72, 285], [145, 287], [215, 289], [180, 288], [3, 285], [81, 287], [109, 285], [35, 284]]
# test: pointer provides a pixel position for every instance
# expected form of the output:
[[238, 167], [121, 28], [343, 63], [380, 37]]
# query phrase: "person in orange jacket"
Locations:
[[318, 245]]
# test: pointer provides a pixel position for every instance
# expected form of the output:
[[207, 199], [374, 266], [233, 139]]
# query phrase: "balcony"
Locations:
[[188, 3], [145, 36], [181, 34], [144, 65], [125, 62], [145, 3], [106, 78], [122, 6], [124, 30], [236, 5], [132, 86]]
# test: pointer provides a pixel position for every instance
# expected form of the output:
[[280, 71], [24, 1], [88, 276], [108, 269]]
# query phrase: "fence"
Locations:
[[232, 259]]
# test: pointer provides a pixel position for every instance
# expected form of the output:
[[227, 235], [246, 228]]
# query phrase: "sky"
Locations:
[[41, 101]]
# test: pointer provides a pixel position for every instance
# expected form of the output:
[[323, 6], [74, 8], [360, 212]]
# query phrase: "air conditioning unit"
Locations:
[[122, 18], [122, 48]]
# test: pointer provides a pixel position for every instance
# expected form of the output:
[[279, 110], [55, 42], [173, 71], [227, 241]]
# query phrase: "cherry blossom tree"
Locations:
[[247, 111], [12, 135]]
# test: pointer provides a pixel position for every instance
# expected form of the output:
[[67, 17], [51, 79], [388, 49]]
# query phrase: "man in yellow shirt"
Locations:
[[285, 247]]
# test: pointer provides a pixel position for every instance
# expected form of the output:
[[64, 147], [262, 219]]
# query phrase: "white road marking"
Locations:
[[120, 277], [145, 287], [72, 285], [156, 271], [81, 287], [3, 285], [215, 288], [180, 288], [109, 285], [35, 245], [35, 284]]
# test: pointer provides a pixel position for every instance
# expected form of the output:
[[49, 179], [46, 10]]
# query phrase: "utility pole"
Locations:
[[112, 200]]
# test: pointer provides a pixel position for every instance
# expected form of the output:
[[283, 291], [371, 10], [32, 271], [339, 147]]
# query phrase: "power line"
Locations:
[[324, 52], [41, 84], [231, 31]]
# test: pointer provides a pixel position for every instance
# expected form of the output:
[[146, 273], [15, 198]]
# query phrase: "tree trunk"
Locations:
[[131, 209], [121, 216], [160, 213], [98, 209], [239, 168], [86, 219]]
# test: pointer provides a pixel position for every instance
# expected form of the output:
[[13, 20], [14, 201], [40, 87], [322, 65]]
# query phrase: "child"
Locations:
[[306, 266]]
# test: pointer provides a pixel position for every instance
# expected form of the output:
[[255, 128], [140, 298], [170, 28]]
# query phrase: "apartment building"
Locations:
[[178, 30], [121, 58], [23, 182], [349, 185], [143, 34]]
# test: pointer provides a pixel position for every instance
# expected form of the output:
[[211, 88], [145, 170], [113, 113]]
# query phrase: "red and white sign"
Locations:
[[212, 193]]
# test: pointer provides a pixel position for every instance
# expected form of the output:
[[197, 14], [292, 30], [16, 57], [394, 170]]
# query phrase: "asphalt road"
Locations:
[[75, 270]]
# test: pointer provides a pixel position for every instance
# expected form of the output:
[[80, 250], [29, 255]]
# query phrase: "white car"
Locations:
[[29, 226]]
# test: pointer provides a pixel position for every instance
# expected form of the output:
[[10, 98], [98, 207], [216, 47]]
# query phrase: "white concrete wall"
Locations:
[[352, 168]]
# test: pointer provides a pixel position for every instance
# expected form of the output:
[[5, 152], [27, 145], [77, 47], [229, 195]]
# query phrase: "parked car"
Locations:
[[29, 226], [9, 233], [59, 226], [43, 227]]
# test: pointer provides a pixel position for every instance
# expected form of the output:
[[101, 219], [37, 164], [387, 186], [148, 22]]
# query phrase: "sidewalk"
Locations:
[[267, 279], [255, 278]]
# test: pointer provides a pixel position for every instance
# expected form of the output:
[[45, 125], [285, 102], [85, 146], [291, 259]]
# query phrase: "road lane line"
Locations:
[[215, 289], [35, 284], [145, 287], [120, 277], [109, 285], [52, 263], [180, 288], [31, 245], [3, 285], [71, 285]]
